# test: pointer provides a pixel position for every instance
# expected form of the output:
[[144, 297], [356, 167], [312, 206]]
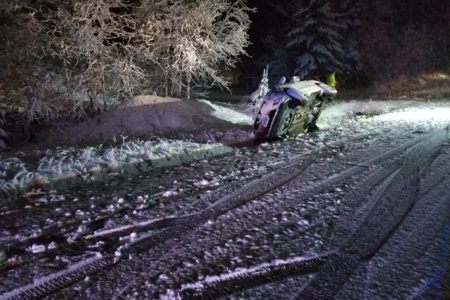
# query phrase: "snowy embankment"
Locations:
[[230, 115], [70, 166], [65, 167]]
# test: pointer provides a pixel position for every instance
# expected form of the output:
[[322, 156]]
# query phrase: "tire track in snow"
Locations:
[[392, 205], [237, 198], [177, 226], [148, 241], [329, 183], [218, 286]]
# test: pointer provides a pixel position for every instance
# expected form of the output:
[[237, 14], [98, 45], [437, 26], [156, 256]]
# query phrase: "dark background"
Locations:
[[394, 38]]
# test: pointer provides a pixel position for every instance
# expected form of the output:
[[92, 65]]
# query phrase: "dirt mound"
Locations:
[[143, 116]]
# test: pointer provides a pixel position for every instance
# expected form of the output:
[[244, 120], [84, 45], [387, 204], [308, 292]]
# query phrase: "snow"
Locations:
[[94, 163], [52, 246], [425, 114], [91, 162], [230, 115], [133, 236], [242, 272], [202, 183], [36, 249], [169, 194], [353, 113], [356, 115]]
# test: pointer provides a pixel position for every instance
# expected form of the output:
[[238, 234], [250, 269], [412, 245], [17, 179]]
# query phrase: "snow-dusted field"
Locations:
[[356, 210], [93, 163]]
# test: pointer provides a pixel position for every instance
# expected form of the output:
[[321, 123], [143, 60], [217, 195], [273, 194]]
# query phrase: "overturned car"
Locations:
[[290, 109]]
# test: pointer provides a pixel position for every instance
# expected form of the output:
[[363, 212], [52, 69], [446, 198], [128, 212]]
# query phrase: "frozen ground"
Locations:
[[358, 210], [93, 163]]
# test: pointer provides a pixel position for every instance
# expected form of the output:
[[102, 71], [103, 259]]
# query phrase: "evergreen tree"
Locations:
[[318, 40], [351, 18], [377, 39]]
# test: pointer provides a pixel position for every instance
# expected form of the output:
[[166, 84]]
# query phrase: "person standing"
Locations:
[[331, 79]]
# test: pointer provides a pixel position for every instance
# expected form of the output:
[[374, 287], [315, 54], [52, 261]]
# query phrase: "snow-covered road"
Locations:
[[360, 209]]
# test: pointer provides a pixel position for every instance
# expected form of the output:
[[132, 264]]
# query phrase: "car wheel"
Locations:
[[282, 121]]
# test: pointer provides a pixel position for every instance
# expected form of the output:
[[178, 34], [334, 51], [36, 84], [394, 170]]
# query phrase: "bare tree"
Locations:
[[78, 56], [188, 41], [218, 36], [88, 37], [68, 55]]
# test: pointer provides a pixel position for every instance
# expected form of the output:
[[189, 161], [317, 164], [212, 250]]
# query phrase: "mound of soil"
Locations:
[[143, 116]]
